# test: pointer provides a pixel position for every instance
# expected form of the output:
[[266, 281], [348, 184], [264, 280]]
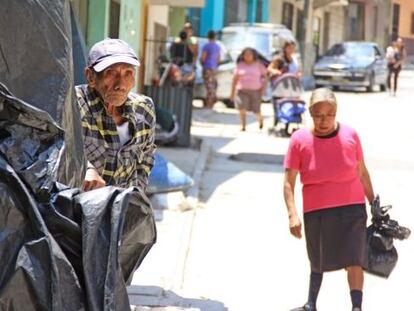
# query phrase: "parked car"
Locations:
[[352, 64], [267, 39]]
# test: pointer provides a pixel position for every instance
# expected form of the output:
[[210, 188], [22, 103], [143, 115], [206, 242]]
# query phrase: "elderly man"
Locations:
[[118, 125]]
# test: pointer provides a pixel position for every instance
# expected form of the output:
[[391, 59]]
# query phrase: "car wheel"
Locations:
[[383, 87], [370, 87]]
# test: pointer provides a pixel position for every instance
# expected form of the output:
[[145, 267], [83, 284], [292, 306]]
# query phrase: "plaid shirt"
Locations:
[[123, 166]]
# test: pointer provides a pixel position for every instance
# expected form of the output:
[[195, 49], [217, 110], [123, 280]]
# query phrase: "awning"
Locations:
[[179, 3], [317, 4]]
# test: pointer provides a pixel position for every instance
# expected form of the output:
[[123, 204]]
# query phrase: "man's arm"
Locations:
[[92, 179], [203, 57], [144, 168]]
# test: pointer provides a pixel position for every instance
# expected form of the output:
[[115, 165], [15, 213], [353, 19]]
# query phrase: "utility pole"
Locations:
[[307, 48]]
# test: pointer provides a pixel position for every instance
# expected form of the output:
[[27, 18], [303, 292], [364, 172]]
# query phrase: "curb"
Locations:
[[193, 193], [157, 298]]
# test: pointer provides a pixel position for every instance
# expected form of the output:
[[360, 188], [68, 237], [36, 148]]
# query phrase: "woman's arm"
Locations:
[[233, 86], [295, 225], [272, 69], [366, 181]]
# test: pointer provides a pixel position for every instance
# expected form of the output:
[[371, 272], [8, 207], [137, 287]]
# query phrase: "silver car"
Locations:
[[352, 64]]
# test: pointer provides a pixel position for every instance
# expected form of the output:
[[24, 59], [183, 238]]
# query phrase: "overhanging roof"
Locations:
[[179, 3], [321, 3]]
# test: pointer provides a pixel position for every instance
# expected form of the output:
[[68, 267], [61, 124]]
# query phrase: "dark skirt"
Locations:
[[336, 237]]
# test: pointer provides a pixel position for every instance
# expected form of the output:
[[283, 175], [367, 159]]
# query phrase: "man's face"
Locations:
[[114, 83]]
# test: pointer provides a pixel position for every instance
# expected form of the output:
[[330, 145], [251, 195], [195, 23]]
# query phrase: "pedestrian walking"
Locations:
[[118, 125], [286, 62], [329, 159], [249, 80], [210, 58], [395, 55]]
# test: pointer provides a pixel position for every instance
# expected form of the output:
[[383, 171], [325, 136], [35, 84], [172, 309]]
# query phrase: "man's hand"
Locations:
[[295, 226], [92, 180]]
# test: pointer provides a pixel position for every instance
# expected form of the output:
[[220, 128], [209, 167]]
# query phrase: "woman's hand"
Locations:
[[92, 180], [295, 226]]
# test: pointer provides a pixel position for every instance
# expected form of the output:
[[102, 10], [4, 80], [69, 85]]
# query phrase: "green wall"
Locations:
[[98, 21], [130, 26], [176, 20]]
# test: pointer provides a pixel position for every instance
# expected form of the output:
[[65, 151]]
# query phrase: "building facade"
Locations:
[[402, 23], [217, 14], [144, 24]]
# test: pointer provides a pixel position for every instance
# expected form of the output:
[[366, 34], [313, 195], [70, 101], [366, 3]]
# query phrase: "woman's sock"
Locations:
[[314, 286], [356, 297]]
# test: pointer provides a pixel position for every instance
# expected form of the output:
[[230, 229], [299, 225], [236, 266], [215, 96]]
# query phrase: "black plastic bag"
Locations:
[[380, 259], [60, 248], [36, 65], [67, 254]]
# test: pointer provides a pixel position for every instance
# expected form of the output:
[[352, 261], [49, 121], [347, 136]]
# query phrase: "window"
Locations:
[[287, 15], [114, 12], [236, 11], [356, 20], [395, 20], [375, 23], [259, 11], [300, 18], [412, 23]]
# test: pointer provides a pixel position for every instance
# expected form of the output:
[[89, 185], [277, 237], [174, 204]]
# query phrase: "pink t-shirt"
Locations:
[[251, 76], [327, 167]]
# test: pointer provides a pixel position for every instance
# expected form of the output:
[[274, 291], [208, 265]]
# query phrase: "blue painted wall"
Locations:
[[212, 15]]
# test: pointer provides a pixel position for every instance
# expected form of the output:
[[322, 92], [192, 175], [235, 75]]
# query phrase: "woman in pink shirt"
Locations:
[[329, 159], [249, 81]]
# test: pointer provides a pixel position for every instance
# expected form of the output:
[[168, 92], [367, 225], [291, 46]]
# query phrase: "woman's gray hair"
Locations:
[[322, 94]]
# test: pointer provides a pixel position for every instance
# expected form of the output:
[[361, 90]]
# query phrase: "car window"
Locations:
[[351, 50], [242, 39], [377, 51], [336, 50]]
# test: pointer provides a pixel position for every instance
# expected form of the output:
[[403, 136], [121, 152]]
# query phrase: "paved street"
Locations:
[[238, 250]]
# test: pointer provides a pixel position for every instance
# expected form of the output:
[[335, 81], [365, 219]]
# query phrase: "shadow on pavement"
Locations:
[[250, 157], [148, 297]]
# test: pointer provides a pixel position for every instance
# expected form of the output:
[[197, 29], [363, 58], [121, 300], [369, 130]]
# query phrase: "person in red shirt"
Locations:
[[329, 159]]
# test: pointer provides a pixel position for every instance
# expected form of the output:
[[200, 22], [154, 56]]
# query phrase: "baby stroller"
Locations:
[[288, 106]]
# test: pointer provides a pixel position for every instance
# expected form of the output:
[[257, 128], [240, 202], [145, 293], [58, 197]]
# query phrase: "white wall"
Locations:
[[157, 14]]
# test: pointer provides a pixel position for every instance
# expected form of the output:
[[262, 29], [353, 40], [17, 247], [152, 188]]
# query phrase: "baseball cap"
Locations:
[[111, 51], [322, 94]]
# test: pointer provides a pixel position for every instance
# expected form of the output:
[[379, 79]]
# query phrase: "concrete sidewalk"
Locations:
[[161, 273]]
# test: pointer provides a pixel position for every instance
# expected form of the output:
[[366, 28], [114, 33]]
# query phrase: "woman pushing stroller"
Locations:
[[284, 72], [285, 62]]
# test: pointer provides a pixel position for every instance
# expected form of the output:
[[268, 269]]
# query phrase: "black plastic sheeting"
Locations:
[[36, 65], [61, 248]]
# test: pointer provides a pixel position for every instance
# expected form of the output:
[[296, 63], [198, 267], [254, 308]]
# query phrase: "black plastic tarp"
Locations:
[[36, 65], [61, 248]]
